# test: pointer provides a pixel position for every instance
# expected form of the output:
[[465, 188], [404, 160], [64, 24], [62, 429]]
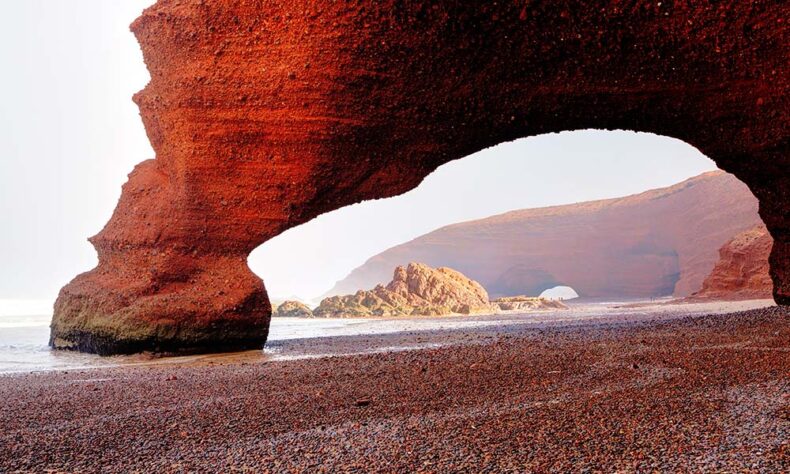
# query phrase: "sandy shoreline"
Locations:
[[681, 393]]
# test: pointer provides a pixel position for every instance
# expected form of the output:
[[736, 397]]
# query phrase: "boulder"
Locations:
[[657, 243], [264, 115], [420, 285], [293, 309]]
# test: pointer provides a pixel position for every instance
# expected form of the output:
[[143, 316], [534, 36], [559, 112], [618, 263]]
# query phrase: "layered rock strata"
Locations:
[[657, 243], [742, 269], [264, 115], [527, 303]]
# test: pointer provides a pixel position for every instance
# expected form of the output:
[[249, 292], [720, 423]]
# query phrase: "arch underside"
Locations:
[[264, 116]]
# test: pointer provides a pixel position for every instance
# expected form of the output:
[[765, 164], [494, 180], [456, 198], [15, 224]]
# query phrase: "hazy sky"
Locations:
[[532, 172], [69, 135]]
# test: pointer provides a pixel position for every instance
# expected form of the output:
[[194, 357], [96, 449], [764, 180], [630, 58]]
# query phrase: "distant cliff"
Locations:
[[660, 242], [742, 269]]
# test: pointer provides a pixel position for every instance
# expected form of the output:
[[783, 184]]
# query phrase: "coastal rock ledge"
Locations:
[[264, 115]]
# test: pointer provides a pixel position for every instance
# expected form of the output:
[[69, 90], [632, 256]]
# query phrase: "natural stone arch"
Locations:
[[566, 291], [265, 114]]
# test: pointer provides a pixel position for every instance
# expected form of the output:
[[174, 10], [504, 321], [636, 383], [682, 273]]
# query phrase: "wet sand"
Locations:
[[634, 391]]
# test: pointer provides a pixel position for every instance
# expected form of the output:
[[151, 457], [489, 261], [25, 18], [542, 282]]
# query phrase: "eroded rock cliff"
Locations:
[[527, 303], [661, 242], [292, 309], [264, 115], [742, 269]]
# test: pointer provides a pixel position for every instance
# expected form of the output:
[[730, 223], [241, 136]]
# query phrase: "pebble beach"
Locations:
[[655, 391]]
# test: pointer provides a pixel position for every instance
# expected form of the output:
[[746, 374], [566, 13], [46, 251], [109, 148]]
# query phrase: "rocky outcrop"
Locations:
[[742, 269], [415, 290], [292, 309], [420, 285], [364, 304], [661, 242], [264, 115], [527, 303]]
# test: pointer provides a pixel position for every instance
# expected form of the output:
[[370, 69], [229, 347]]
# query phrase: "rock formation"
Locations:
[[292, 309], [661, 242], [527, 303], [364, 304], [419, 290], [420, 285], [264, 115], [415, 290], [742, 269]]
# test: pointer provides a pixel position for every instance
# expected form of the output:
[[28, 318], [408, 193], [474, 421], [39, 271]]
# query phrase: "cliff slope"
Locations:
[[292, 309], [742, 269], [660, 242]]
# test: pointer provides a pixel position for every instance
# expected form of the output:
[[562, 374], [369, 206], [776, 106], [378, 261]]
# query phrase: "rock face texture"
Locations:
[[661, 242], [264, 115], [293, 309], [415, 290], [742, 269], [527, 303]]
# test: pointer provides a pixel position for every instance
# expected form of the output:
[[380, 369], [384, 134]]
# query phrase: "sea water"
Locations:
[[24, 336]]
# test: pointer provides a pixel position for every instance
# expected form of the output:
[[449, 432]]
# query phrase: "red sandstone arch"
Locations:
[[264, 114]]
